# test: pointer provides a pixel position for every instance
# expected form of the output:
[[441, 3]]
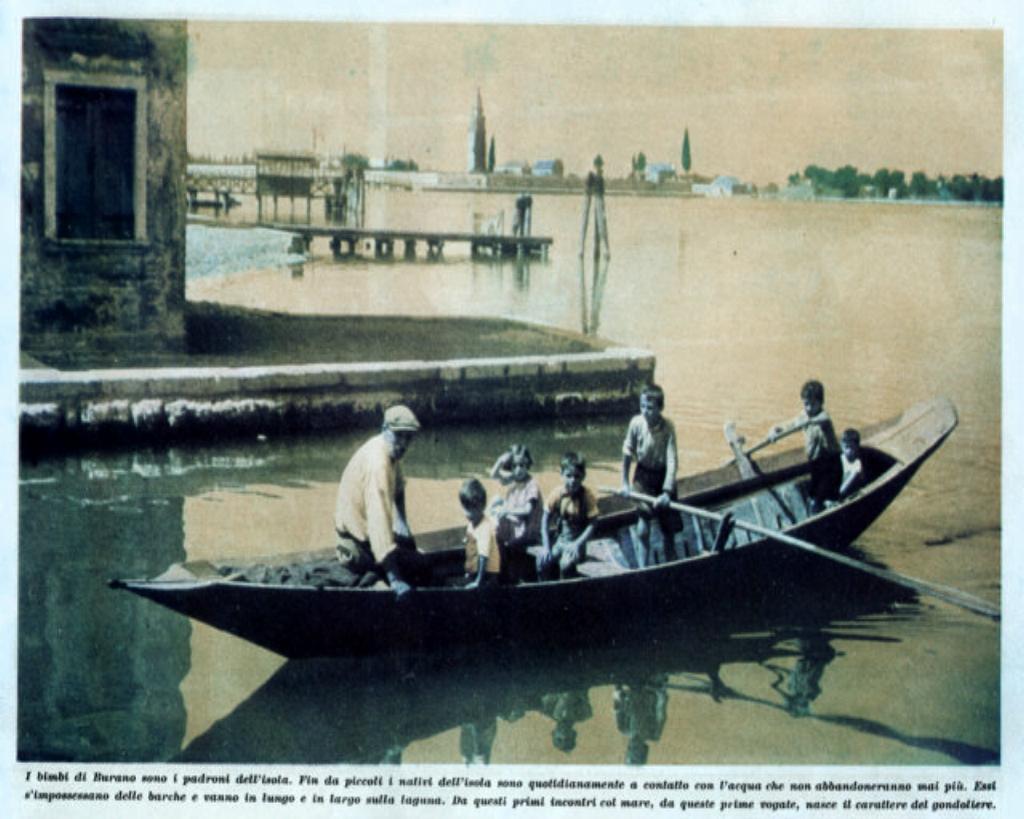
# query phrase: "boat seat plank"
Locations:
[[605, 549], [604, 558], [773, 510], [794, 500], [601, 568]]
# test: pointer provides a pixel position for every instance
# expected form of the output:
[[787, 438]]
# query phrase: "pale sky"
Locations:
[[759, 103]]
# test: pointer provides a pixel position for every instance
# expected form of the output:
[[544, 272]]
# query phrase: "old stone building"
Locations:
[[103, 187]]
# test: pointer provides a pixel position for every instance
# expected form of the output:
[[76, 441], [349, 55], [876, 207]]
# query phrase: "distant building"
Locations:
[[103, 169], [802, 191], [477, 159], [284, 174], [232, 171], [657, 172], [721, 186], [516, 168], [548, 167]]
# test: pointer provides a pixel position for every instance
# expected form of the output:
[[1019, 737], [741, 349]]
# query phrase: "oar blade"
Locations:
[[736, 441]]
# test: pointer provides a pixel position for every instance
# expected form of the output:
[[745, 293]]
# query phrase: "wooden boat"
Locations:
[[696, 584]]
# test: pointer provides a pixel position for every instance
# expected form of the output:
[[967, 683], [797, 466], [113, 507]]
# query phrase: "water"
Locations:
[[213, 251], [741, 301]]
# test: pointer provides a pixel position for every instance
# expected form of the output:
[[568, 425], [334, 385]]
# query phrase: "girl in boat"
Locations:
[[519, 514]]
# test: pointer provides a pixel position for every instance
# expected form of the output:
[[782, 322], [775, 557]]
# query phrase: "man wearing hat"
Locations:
[[369, 515]]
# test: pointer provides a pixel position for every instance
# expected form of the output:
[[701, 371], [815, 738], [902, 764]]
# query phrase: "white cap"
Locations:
[[401, 419]]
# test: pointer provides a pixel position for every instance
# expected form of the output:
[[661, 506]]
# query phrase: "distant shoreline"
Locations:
[[677, 194]]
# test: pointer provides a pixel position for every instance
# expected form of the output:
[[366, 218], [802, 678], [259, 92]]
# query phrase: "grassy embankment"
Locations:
[[224, 336]]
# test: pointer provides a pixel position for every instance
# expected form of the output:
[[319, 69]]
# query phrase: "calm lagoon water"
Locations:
[[741, 301]]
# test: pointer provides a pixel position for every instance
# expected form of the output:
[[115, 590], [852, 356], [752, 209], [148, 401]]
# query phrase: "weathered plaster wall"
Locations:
[[104, 295]]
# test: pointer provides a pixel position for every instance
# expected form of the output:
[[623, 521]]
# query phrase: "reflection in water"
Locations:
[[359, 711], [590, 309], [640, 712], [813, 653], [801, 685], [476, 740], [84, 654], [487, 271], [566, 708], [523, 273]]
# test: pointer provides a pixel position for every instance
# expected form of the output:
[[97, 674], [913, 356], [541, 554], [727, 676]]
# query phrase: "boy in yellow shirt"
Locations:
[[483, 558]]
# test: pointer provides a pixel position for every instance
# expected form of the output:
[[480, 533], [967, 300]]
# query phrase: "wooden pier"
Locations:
[[218, 199], [346, 241]]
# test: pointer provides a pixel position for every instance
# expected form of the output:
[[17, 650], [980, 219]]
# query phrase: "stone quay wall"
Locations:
[[61, 410]]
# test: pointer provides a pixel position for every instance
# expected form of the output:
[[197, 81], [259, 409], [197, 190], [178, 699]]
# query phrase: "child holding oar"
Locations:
[[651, 442], [820, 444]]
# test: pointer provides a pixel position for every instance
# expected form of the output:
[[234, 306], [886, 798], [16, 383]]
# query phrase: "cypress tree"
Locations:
[[686, 150], [490, 156]]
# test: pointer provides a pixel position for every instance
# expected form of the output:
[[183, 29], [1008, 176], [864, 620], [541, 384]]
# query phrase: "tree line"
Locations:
[[638, 162], [850, 183]]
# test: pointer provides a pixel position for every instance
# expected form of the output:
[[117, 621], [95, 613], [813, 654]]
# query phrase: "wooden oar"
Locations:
[[742, 459], [748, 469], [947, 593], [741, 456]]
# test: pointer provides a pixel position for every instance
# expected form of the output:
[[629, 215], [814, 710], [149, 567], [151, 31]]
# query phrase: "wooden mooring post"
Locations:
[[595, 191]]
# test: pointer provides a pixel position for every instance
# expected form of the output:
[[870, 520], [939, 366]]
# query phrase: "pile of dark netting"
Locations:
[[318, 573]]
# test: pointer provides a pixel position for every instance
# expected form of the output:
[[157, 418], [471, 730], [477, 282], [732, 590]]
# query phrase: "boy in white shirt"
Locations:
[[853, 469], [651, 442]]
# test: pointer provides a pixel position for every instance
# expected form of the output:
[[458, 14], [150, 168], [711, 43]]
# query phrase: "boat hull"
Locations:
[[759, 579]]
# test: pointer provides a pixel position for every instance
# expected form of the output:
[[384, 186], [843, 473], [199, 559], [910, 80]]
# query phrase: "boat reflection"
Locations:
[[640, 712], [476, 740], [370, 712], [801, 685]]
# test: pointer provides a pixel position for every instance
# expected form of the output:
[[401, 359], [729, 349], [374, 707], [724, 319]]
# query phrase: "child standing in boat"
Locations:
[[651, 442], [820, 444], [569, 510], [519, 514], [483, 558]]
